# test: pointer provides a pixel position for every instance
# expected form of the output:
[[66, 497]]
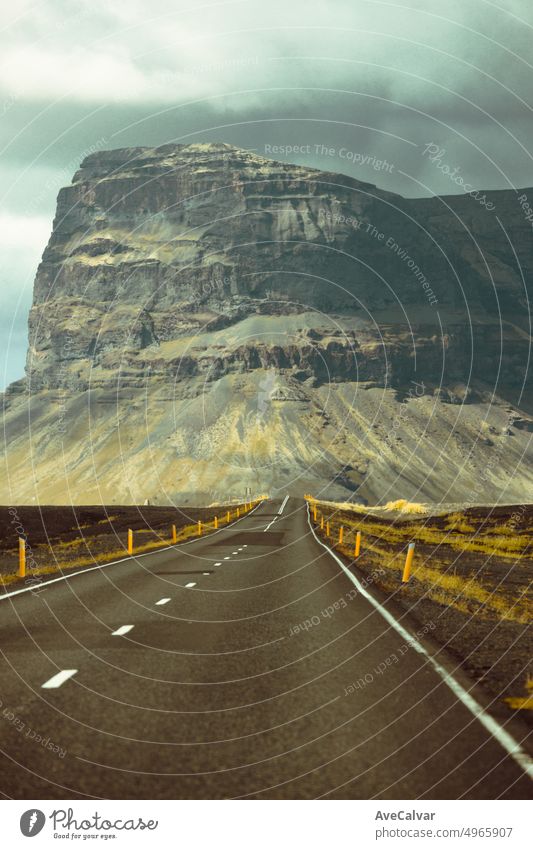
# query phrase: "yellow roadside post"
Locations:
[[215, 522], [130, 541], [321, 523], [314, 512], [408, 563], [238, 512], [228, 517], [327, 529], [341, 534], [22, 558], [199, 528], [174, 534], [357, 544]]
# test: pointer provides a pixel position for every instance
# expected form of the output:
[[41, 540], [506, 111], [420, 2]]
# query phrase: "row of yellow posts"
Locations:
[[325, 525], [249, 505], [201, 527], [229, 516]]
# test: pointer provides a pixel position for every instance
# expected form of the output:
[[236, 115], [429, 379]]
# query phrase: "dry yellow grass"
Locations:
[[457, 522], [407, 507], [448, 588], [65, 548], [523, 702], [461, 591], [401, 505], [515, 546]]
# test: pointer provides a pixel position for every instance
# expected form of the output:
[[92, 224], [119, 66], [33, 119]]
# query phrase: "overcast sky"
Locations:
[[362, 79]]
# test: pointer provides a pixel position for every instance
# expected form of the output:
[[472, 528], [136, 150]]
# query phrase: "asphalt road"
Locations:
[[222, 692]]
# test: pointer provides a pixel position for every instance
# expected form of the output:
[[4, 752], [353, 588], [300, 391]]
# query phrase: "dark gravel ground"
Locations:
[[494, 648], [60, 534]]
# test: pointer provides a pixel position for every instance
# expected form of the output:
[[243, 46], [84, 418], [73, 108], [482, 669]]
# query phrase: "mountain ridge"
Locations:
[[180, 281]]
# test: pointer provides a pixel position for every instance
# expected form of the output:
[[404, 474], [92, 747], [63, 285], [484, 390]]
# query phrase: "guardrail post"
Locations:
[[228, 517], [174, 534], [238, 512], [327, 529], [357, 549], [22, 557], [130, 541], [321, 523], [408, 563], [215, 522], [199, 528], [314, 513], [341, 534]]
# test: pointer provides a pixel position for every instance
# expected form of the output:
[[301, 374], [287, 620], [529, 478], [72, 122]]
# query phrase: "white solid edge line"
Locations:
[[506, 740], [45, 584], [190, 585], [124, 629], [59, 678], [163, 601]]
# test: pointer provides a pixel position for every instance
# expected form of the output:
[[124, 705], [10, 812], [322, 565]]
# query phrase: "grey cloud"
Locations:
[[367, 78]]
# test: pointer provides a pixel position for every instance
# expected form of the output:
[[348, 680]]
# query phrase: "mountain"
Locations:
[[206, 320]]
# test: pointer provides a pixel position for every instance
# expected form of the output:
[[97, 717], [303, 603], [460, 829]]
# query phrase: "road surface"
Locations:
[[239, 665]]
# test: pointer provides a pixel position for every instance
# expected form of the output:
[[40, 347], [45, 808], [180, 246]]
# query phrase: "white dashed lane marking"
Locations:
[[163, 601], [124, 629], [190, 585], [280, 511], [226, 558], [218, 564], [56, 680]]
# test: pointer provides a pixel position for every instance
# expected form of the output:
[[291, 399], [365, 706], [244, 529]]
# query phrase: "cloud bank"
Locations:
[[375, 79]]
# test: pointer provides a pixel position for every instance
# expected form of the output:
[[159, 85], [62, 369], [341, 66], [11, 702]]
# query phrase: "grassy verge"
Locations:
[[472, 577], [92, 543]]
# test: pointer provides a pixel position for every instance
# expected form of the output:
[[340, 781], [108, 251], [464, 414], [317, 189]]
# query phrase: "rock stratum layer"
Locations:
[[207, 321]]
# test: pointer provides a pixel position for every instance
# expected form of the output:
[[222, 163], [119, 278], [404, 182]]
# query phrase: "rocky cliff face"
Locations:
[[205, 320]]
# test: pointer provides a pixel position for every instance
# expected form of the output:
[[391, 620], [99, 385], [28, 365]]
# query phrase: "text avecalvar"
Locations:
[[404, 815]]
